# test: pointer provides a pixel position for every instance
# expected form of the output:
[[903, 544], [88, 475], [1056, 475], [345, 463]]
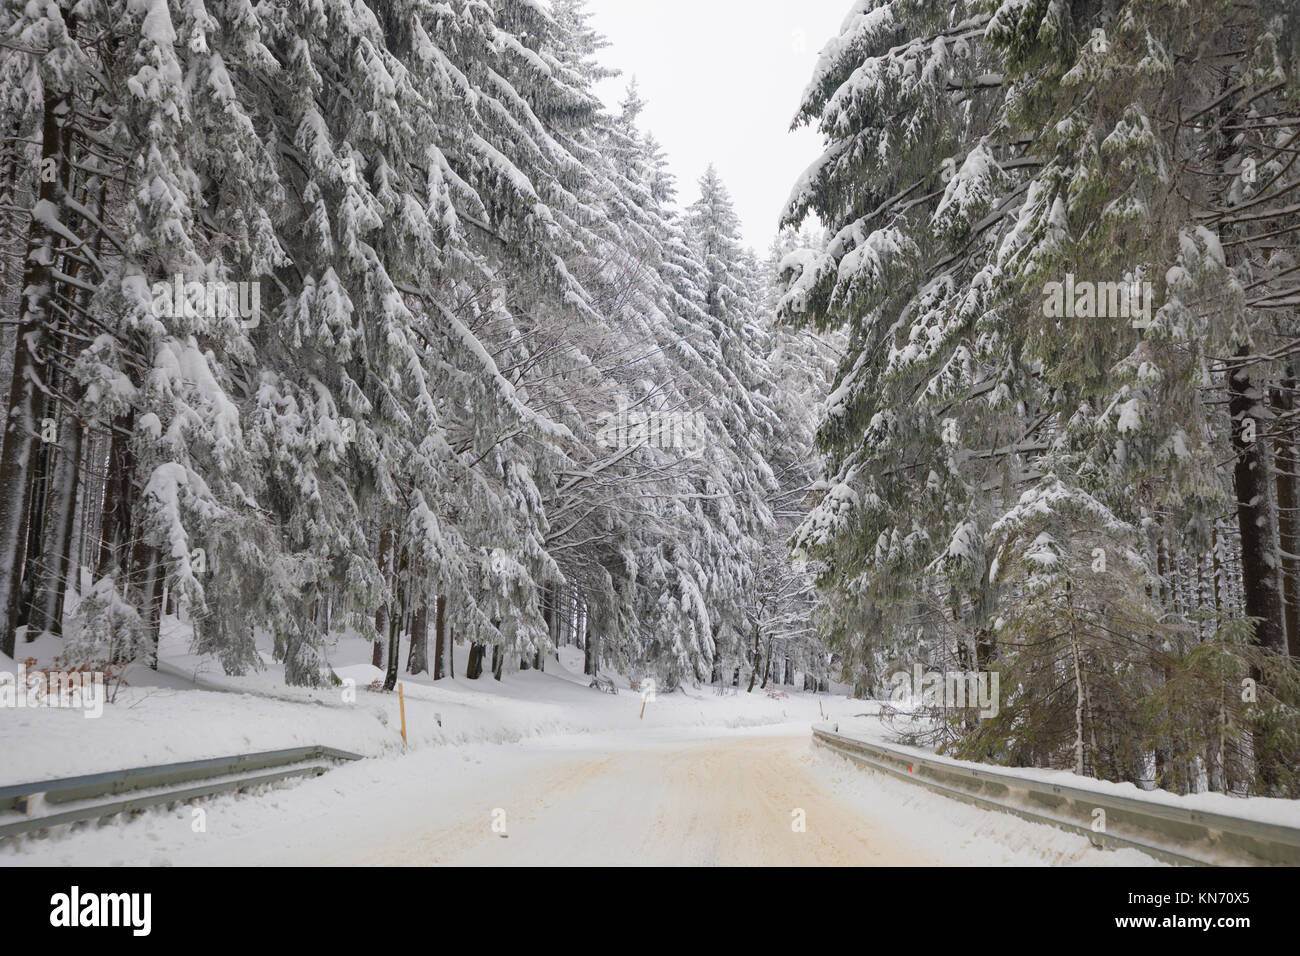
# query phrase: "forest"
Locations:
[[369, 317], [335, 316], [1062, 444]]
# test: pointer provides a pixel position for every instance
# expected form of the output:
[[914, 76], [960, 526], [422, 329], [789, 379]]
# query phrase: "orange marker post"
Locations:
[[401, 703]]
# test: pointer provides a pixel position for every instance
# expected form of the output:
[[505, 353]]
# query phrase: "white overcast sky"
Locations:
[[722, 80]]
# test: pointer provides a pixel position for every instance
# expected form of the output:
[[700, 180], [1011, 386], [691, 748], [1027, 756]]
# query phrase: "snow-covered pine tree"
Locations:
[[1043, 146]]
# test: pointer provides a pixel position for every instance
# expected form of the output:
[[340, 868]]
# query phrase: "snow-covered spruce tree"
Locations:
[[262, 168], [628, 527], [92, 314], [1122, 192], [41, 69], [1037, 150], [935, 416], [785, 610], [737, 513]]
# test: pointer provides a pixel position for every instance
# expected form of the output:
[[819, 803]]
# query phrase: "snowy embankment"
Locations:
[[864, 724], [188, 709]]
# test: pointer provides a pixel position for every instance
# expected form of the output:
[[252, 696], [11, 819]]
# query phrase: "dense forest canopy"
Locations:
[[1062, 441], [334, 317]]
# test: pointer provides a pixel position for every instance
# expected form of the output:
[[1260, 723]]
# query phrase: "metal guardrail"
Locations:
[[27, 807], [1177, 835]]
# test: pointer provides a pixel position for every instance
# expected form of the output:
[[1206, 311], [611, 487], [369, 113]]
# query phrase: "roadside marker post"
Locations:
[[401, 703]]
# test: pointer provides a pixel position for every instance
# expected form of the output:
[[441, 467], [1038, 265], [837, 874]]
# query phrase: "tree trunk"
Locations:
[[18, 455], [381, 613], [1078, 682], [753, 670], [1287, 469], [158, 578], [38, 499], [715, 666], [115, 523], [1255, 513], [49, 585], [47, 604], [1256, 518], [145, 578], [552, 623], [439, 630], [418, 661], [474, 668], [395, 623]]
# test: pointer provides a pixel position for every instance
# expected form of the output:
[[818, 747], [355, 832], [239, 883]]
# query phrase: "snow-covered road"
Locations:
[[666, 796], [733, 802]]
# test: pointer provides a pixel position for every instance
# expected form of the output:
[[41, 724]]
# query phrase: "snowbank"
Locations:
[[188, 709], [1260, 809]]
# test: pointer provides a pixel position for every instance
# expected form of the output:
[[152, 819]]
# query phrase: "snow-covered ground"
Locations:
[[536, 768], [189, 710]]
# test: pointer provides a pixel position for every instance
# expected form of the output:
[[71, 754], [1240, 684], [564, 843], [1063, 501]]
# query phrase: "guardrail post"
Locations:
[[30, 803]]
